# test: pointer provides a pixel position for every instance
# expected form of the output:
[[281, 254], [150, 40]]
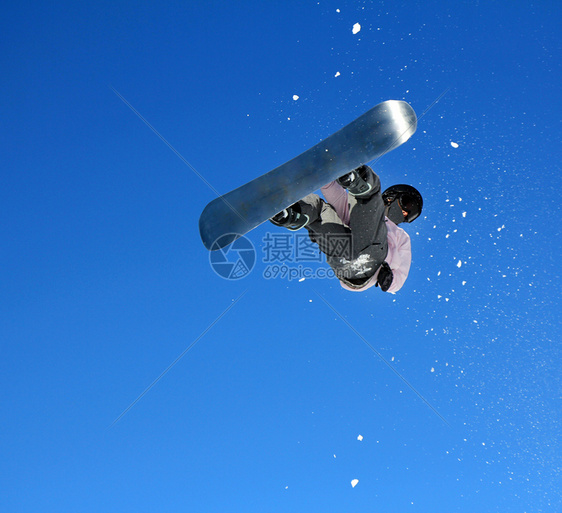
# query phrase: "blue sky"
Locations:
[[105, 282]]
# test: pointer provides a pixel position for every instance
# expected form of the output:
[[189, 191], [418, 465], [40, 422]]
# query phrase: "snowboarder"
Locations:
[[356, 228]]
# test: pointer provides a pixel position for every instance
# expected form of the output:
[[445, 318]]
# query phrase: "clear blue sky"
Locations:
[[105, 282]]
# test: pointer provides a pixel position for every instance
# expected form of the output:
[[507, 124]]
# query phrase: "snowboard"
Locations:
[[380, 130]]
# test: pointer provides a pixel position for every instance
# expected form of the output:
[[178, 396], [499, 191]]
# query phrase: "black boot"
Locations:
[[291, 218], [358, 182]]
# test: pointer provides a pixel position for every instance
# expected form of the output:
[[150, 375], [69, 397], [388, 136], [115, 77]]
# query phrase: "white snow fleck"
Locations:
[[354, 482], [337, 10], [459, 263], [302, 279], [360, 438], [334, 455], [337, 74], [356, 28], [464, 214], [295, 97], [432, 369], [464, 282], [454, 144]]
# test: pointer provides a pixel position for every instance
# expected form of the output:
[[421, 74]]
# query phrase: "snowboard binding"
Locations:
[[359, 182], [291, 218]]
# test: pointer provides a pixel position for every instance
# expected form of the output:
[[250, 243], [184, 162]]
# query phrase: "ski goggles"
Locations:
[[410, 206]]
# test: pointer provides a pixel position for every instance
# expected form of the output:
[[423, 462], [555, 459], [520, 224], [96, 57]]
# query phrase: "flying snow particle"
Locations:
[[356, 28], [337, 74], [302, 279], [454, 144], [464, 214], [295, 97], [432, 369], [459, 263], [354, 482], [360, 437], [337, 10]]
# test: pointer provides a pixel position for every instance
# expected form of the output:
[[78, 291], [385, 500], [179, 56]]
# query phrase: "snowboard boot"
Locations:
[[359, 182], [291, 218]]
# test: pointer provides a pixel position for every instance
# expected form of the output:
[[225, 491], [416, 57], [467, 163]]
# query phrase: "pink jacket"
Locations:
[[399, 255]]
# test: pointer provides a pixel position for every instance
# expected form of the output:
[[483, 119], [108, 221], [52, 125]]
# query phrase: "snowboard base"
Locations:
[[380, 130]]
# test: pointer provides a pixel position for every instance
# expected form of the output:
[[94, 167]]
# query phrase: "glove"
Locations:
[[385, 277]]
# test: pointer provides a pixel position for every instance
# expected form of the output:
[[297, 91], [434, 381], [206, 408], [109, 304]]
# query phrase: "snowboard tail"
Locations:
[[380, 130]]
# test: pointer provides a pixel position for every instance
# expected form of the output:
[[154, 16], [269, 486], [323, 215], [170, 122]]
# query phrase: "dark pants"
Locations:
[[353, 251]]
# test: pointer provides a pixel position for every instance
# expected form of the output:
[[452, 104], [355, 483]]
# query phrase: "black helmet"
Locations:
[[408, 197]]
